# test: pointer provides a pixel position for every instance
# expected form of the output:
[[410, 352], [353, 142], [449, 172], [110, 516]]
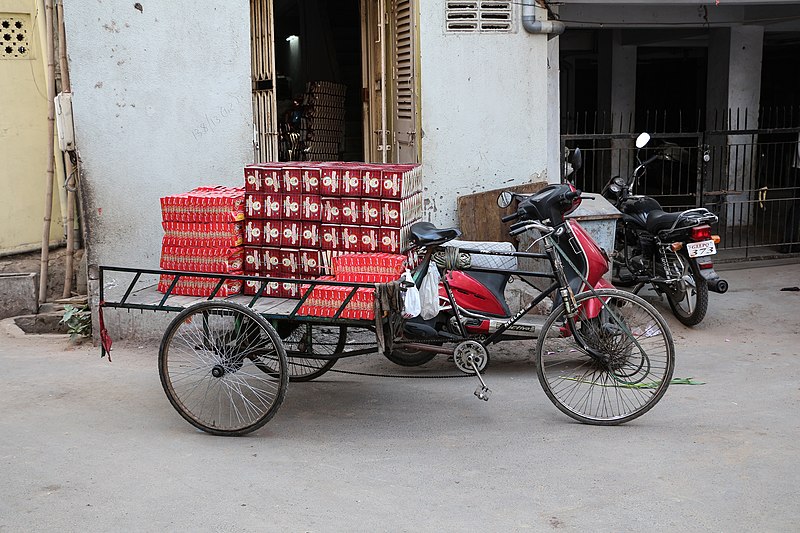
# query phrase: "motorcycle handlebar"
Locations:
[[512, 216]]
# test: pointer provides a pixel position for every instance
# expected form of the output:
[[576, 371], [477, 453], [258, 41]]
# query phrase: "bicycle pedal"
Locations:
[[483, 393]]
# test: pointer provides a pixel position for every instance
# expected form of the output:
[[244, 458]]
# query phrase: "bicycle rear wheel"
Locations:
[[638, 355], [208, 364]]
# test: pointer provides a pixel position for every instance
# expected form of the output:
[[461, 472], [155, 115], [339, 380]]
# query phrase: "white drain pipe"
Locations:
[[540, 24]]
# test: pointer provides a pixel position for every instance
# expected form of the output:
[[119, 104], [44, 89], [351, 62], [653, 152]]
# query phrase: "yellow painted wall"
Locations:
[[23, 134]]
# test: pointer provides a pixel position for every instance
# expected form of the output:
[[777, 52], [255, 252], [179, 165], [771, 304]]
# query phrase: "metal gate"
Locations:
[[749, 175]]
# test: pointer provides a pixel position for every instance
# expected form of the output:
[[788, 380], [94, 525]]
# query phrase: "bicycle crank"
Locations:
[[471, 357]]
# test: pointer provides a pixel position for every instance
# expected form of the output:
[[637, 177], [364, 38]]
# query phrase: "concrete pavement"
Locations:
[[90, 446]]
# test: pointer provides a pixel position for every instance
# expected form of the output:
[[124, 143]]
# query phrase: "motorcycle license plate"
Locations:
[[700, 249]]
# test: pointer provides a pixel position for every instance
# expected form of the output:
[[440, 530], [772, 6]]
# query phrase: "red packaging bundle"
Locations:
[[350, 238], [292, 179], [330, 184], [196, 286], [370, 239], [251, 287], [215, 234], [254, 206], [371, 211], [196, 259], [252, 260], [311, 178], [271, 177], [330, 236], [331, 210], [325, 301], [310, 207], [291, 206], [310, 262], [351, 211], [398, 213], [369, 267], [352, 184], [252, 179], [205, 204]]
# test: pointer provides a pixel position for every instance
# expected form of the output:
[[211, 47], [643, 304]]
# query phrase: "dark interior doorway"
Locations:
[[319, 41]]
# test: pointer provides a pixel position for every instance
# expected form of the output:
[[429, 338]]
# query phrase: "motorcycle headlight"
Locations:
[[614, 188], [619, 182]]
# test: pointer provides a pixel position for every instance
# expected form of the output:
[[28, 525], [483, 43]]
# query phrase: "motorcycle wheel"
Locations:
[[404, 357], [690, 302]]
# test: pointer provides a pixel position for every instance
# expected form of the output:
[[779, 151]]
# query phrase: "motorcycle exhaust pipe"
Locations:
[[718, 285]]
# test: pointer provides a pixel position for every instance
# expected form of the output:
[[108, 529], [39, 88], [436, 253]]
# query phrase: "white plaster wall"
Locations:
[[161, 105], [484, 112]]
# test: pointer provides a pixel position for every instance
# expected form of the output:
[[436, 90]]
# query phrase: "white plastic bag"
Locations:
[[429, 293], [411, 305]]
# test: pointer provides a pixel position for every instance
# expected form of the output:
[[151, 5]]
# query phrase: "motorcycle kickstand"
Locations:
[[483, 391]]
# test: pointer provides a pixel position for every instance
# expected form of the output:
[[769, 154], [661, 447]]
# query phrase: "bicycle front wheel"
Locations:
[[628, 374], [209, 367]]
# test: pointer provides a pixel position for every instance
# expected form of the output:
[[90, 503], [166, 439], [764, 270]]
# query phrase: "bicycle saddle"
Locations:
[[426, 234]]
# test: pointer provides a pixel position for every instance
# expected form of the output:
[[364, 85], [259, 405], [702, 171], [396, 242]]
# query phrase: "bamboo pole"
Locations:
[[48, 208], [69, 182]]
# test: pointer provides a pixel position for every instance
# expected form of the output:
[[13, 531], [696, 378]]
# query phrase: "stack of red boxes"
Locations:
[[325, 300], [299, 216], [203, 233]]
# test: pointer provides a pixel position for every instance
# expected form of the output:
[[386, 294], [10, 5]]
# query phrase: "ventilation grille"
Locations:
[[14, 36], [476, 16]]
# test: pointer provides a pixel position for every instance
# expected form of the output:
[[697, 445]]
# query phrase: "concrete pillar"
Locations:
[[734, 91], [616, 90], [553, 111]]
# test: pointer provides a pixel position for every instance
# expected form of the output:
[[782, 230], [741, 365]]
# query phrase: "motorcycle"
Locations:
[[669, 251], [472, 299]]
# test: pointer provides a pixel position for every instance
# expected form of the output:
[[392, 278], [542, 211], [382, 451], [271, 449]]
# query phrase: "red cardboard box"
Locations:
[[252, 180], [290, 261], [371, 211], [330, 236], [330, 185], [351, 208], [252, 260], [273, 206], [312, 176], [291, 206], [368, 264], [310, 234], [271, 261], [331, 210], [310, 262], [311, 207], [271, 178], [253, 232], [273, 232], [372, 178], [352, 185], [370, 239], [351, 238], [401, 181], [254, 206], [292, 179], [251, 287], [325, 300], [290, 233]]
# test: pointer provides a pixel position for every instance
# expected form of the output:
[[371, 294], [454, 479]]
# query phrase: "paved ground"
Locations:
[[90, 446]]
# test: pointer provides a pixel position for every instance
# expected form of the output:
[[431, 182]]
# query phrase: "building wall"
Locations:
[[161, 100], [23, 135], [485, 104]]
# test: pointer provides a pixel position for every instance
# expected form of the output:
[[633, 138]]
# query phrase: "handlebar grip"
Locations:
[[517, 231], [512, 216]]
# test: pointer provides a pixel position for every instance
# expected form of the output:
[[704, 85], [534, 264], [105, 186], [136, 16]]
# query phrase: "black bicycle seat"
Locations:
[[426, 234]]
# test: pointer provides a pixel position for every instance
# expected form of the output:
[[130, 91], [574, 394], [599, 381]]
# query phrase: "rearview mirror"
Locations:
[[642, 140], [576, 159], [505, 199]]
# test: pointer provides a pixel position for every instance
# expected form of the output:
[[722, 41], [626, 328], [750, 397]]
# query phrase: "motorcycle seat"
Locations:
[[426, 234], [661, 220]]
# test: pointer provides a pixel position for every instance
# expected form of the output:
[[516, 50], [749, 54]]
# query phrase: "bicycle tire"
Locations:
[[207, 366], [638, 344]]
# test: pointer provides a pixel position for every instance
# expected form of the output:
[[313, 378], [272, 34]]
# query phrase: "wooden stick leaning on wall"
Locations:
[[70, 181], [48, 208]]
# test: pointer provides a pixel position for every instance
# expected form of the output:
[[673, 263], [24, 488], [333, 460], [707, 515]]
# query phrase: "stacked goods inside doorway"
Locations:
[[203, 232]]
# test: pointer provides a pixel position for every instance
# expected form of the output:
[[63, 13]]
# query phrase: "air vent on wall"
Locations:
[[477, 16], [14, 36]]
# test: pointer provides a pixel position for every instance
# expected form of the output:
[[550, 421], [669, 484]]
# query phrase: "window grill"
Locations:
[[476, 16], [14, 36]]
